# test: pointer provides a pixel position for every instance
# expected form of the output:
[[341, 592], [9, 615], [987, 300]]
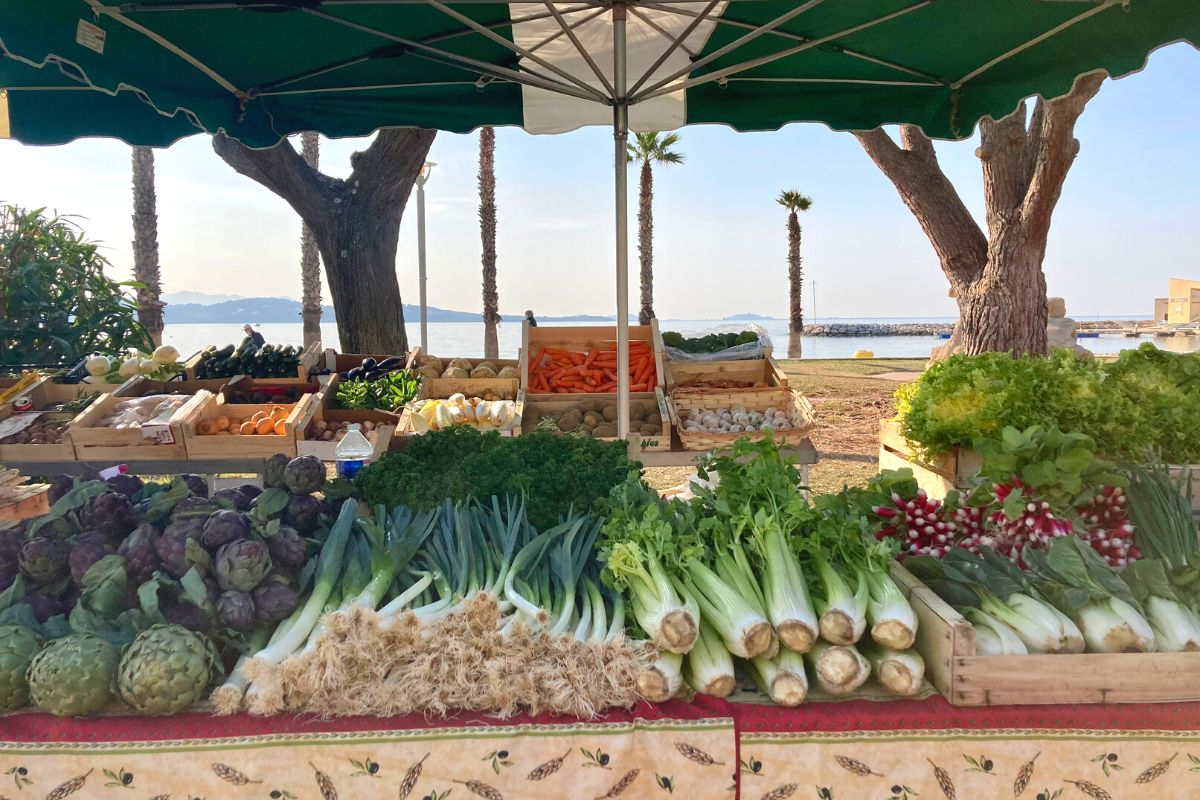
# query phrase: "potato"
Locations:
[[605, 430], [487, 364], [653, 418], [609, 413], [431, 361], [586, 430], [508, 372], [484, 371], [650, 430], [592, 419], [456, 372], [462, 363], [429, 371]]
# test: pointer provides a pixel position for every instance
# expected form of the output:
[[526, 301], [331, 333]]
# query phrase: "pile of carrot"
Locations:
[[557, 371]]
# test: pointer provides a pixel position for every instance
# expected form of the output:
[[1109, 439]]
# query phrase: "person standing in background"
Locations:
[[254, 336], [529, 318]]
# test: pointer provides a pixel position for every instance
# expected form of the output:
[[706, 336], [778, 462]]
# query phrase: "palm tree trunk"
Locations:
[[145, 244], [310, 257], [646, 243], [795, 276], [487, 232]]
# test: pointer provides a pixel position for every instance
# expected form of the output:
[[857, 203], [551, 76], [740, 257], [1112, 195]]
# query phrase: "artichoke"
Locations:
[[59, 486], [18, 646], [224, 527], [128, 485], [11, 541], [187, 615], [196, 485], [45, 606], [141, 560], [303, 513], [235, 499], [167, 669], [274, 602], [8, 574], [173, 550], [43, 559], [286, 547], [273, 471], [250, 490], [242, 565], [73, 675], [194, 508], [304, 475], [84, 554], [111, 514], [236, 610]]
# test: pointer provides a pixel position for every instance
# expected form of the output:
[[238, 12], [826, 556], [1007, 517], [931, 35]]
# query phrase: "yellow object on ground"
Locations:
[[864, 353]]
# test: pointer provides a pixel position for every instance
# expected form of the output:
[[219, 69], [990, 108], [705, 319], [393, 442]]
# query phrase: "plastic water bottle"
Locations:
[[353, 452]]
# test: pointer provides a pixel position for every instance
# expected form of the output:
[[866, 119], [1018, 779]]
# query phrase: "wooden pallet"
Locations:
[[946, 640], [31, 501]]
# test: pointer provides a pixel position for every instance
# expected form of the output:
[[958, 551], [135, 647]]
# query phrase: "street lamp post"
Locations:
[[422, 177]]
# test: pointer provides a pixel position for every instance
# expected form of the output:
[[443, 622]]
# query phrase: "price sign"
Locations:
[[159, 434]]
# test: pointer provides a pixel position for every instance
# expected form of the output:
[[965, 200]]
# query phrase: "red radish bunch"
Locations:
[[1109, 531], [922, 524]]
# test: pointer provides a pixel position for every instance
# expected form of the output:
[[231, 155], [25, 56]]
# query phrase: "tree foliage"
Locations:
[[56, 303]]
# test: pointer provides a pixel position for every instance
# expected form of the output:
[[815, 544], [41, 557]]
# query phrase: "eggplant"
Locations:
[[354, 374], [369, 363], [375, 375], [391, 363]]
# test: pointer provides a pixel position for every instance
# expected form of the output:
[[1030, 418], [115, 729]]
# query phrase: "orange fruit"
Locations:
[[223, 423], [247, 428], [280, 427], [264, 426]]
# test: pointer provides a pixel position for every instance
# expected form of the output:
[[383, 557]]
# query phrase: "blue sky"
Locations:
[[1125, 223]]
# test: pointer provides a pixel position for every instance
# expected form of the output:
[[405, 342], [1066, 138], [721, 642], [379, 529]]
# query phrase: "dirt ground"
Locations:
[[849, 397]]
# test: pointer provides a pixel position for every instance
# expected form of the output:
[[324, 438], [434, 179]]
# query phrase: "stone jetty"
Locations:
[[880, 329]]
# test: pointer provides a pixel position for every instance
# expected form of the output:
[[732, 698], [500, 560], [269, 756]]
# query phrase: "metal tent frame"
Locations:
[[530, 69]]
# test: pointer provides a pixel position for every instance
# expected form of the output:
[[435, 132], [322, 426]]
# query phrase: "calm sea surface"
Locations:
[[466, 338]]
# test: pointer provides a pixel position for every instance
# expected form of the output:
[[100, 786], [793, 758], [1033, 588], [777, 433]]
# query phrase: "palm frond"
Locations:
[[794, 200]]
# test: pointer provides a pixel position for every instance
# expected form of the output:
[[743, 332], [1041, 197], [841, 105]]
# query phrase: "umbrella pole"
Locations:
[[621, 175]]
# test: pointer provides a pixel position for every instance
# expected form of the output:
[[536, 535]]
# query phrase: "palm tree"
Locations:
[[310, 256], [650, 148], [794, 202], [487, 233], [145, 244]]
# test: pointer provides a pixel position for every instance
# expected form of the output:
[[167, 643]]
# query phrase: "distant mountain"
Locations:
[[198, 298], [240, 310], [746, 316]]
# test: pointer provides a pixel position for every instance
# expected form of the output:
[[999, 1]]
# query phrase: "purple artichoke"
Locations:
[[274, 602], [211, 589], [59, 486], [128, 485], [250, 490], [111, 514], [196, 485], [44, 606], [141, 561], [273, 471], [242, 565], [11, 541], [235, 499], [43, 559], [286, 547], [83, 555], [172, 546], [236, 610], [8, 574], [194, 508], [224, 527], [187, 615], [303, 513]]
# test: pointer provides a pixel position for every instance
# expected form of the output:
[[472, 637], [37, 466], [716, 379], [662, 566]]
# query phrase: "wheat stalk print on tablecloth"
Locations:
[[411, 776], [325, 784], [696, 754], [1024, 775], [781, 792], [481, 789], [69, 788], [1091, 790], [943, 780], [1156, 771], [228, 773], [620, 786], [855, 766], [545, 770]]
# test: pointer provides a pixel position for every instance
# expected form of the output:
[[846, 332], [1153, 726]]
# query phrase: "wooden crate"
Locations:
[[63, 451], [529, 408], [581, 339], [938, 477], [341, 362], [140, 386], [310, 357], [759, 370], [246, 384], [946, 641], [32, 501], [320, 408], [684, 400], [217, 446], [94, 443], [444, 387]]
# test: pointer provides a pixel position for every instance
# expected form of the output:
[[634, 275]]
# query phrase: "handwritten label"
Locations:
[[90, 36], [159, 434]]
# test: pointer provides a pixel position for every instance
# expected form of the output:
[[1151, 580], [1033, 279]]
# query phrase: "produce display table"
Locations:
[[852, 750]]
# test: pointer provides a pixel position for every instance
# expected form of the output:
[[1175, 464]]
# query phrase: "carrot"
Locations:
[[595, 351], [646, 372], [607, 386], [537, 361], [638, 387]]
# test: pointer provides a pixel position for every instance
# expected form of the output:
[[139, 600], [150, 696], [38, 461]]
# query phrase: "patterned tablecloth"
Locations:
[[856, 750]]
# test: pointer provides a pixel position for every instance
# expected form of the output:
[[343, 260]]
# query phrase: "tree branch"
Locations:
[[282, 170], [914, 171], [386, 171]]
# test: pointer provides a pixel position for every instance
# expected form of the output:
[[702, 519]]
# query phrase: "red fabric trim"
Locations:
[[855, 715]]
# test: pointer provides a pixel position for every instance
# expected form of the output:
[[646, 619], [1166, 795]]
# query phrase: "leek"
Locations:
[[659, 682]]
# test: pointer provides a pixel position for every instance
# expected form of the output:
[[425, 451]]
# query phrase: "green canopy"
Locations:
[[259, 70], [151, 72]]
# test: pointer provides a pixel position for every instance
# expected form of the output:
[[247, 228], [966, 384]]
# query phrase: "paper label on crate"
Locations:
[[159, 434], [90, 36], [17, 423]]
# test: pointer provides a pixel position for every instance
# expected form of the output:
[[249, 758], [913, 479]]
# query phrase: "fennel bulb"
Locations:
[[1114, 626], [993, 637], [1176, 627]]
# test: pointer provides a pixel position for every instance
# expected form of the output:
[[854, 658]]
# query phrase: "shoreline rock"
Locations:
[[847, 329]]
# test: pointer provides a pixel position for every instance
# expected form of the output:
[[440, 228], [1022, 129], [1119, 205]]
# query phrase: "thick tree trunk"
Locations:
[[487, 233], [646, 243], [795, 276], [996, 278], [145, 244], [355, 222], [310, 257]]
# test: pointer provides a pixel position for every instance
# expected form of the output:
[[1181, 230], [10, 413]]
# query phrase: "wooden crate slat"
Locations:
[[33, 500], [761, 370], [241, 446]]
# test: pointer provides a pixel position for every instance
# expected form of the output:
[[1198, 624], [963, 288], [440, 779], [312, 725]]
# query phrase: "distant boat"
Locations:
[[1087, 335], [943, 336]]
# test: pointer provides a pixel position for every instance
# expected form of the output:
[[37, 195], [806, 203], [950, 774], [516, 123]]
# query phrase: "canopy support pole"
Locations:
[[621, 175]]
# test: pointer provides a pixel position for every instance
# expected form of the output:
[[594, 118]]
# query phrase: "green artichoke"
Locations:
[[73, 675], [242, 565], [167, 669], [18, 646]]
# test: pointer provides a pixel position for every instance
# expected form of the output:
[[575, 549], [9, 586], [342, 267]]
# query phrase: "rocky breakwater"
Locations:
[[880, 329]]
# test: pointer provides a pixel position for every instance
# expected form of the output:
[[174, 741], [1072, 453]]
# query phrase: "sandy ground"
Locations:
[[849, 397]]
